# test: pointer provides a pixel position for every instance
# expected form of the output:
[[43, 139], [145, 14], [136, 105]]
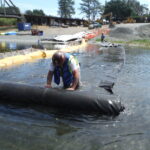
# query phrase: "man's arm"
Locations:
[[75, 81], [49, 79]]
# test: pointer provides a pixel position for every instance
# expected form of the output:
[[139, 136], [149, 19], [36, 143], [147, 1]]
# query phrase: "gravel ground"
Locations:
[[49, 32], [130, 31], [119, 32]]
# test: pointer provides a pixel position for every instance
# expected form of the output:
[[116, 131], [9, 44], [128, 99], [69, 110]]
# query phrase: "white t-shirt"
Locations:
[[73, 65]]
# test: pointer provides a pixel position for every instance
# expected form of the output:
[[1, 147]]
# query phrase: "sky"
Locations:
[[50, 7]]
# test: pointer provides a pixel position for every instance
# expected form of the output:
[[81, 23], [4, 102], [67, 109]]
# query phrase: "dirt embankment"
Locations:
[[129, 32], [53, 31]]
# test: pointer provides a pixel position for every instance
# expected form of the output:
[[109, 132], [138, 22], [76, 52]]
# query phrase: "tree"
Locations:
[[28, 12], [118, 8], [66, 8], [136, 7], [96, 9], [38, 12], [91, 8], [35, 12]]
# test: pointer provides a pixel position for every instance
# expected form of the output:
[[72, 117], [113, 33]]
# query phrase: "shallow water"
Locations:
[[42, 128], [13, 46]]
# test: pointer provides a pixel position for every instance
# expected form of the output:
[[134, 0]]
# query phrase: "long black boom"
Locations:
[[59, 99]]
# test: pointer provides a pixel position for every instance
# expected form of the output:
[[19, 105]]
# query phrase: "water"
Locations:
[[40, 128], [13, 46]]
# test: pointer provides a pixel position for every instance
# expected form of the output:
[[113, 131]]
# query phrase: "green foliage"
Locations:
[[122, 9], [139, 43], [28, 12], [85, 8], [91, 8], [4, 50], [8, 21], [143, 41], [137, 8], [66, 8], [119, 9], [38, 12], [35, 12], [98, 40]]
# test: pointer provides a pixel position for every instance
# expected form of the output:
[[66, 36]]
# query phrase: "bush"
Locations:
[[141, 19], [8, 21]]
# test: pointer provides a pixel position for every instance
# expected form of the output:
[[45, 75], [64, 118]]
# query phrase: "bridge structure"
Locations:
[[9, 10]]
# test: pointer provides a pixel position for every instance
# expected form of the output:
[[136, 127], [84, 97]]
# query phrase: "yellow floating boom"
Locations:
[[19, 59]]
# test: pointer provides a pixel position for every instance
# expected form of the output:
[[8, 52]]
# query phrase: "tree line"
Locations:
[[91, 9]]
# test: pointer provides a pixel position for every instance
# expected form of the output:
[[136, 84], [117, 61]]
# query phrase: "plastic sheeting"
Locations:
[[60, 99]]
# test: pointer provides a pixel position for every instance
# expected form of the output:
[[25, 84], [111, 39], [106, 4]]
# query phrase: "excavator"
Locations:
[[111, 24]]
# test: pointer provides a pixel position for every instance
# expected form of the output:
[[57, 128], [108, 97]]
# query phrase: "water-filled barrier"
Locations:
[[23, 56], [59, 99]]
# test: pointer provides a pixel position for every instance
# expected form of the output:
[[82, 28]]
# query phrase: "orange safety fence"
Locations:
[[97, 32]]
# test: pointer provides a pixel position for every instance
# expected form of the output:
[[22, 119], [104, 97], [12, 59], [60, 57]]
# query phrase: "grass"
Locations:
[[4, 50], [140, 43], [8, 21], [4, 28], [143, 42], [7, 24]]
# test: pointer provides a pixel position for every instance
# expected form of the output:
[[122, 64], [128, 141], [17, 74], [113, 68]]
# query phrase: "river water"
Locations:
[[40, 128]]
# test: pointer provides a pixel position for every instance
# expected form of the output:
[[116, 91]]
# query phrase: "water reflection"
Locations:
[[12, 46]]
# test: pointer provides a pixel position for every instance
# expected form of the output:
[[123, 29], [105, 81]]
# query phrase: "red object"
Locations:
[[90, 36]]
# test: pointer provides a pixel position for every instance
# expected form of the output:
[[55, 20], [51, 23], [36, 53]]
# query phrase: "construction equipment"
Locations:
[[101, 20], [94, 25], [129, 20]]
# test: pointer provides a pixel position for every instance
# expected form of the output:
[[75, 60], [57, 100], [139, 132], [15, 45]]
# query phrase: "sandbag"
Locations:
[[59, 99]]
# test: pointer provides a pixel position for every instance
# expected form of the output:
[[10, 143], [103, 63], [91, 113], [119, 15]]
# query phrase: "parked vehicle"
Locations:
[[36, 32], [95, 25]]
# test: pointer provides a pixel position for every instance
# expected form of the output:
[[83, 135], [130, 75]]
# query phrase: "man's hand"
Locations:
[[48, 86], [49, 79], [75, 81], [70, 89]]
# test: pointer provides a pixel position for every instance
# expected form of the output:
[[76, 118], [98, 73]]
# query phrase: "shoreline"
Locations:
[[48, 32], [132, 34], [32, 54]]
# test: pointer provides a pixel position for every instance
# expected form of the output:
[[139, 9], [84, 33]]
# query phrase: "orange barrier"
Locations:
[[90, 36], [97, 32]]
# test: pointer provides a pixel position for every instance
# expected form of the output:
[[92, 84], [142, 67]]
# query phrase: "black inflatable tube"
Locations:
[[60, 99]]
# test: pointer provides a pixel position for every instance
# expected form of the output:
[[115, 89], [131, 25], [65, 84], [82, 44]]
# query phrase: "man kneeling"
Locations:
[[66, 66]]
